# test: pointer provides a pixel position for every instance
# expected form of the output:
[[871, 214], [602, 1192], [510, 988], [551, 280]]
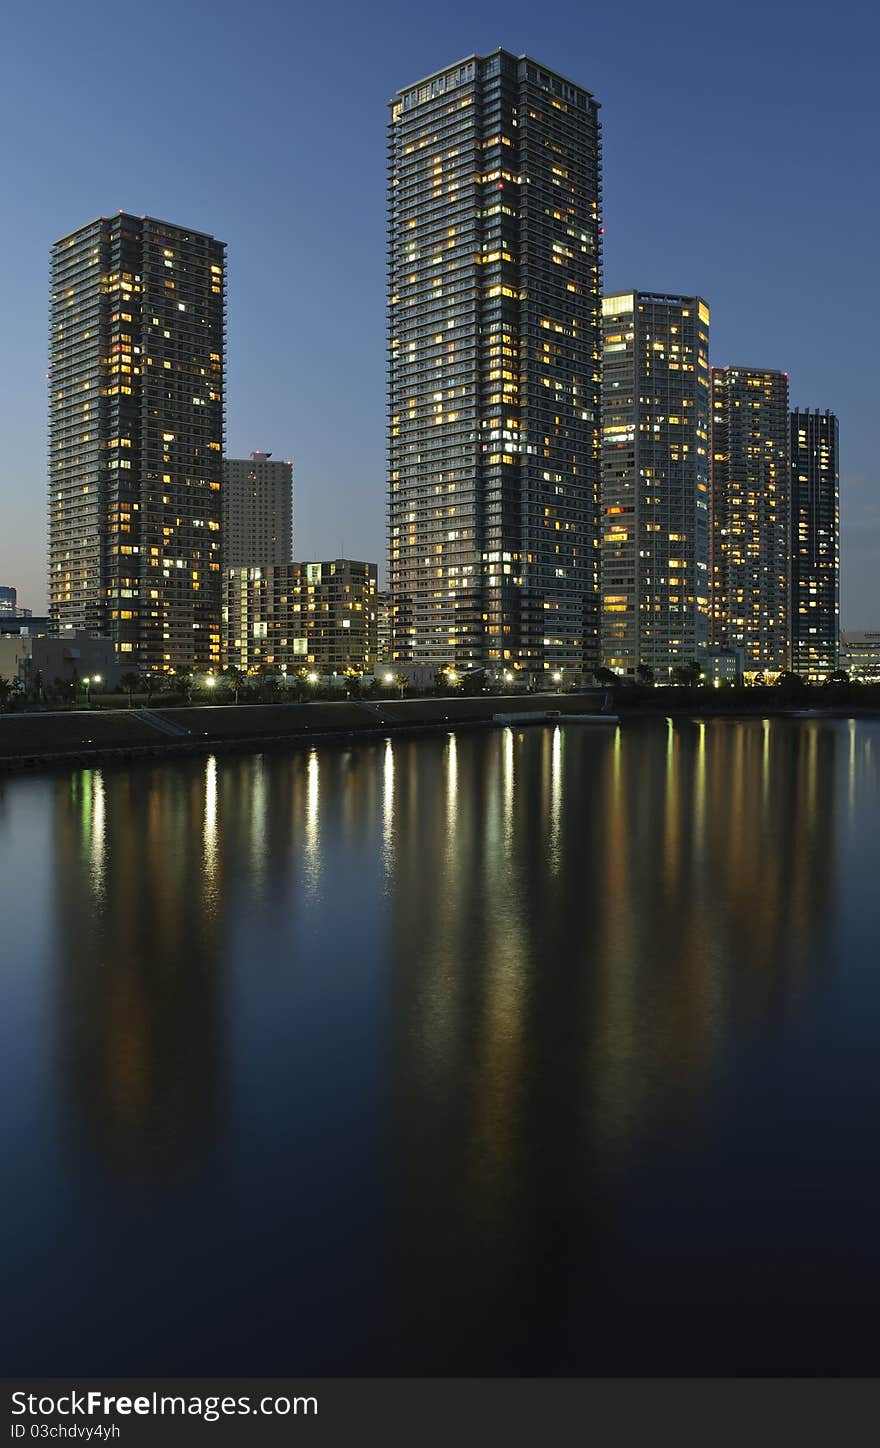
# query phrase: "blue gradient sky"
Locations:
[[740, 162]]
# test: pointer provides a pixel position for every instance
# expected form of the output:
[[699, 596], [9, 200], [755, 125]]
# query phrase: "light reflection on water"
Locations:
[[507, 1040]]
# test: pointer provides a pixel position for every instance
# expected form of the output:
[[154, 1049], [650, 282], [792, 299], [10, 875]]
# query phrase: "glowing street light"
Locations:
[[312, 678], [389, 678]]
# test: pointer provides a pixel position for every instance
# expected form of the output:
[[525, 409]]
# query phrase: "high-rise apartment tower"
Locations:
[[137, 338], [494, 367], [655, 481], [815, 544], [750, 535]]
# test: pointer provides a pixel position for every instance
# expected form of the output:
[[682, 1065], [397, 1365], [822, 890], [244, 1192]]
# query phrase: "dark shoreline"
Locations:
[[126, 736]]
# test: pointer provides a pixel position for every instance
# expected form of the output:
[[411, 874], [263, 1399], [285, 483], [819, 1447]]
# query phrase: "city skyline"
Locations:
[[347, 478]]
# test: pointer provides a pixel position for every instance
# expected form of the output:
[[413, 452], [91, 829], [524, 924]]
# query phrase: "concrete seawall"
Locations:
[[89, 737]]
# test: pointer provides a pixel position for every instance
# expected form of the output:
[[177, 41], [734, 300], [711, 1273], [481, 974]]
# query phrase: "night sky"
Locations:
[[740, 162]]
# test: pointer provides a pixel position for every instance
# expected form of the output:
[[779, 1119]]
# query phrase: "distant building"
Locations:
[[25, 622], [859, 655], [750, 553], [290, 616], [655, 481], [136, 354], [383, 627], [257, 511], [815, 544], [8, 601], [494, 194]]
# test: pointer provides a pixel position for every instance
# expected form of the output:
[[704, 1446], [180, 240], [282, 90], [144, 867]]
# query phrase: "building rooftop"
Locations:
[[499, 50]]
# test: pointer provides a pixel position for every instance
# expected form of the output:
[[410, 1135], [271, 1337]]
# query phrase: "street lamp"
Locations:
[[210, 682], [389, 678], [87, 685], [312, 678]]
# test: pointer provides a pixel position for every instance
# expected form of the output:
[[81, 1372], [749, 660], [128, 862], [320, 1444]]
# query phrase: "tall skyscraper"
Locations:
[[750, 553], [655, 481], [257, 511], [136, 419], [494, 338], [815, 544]]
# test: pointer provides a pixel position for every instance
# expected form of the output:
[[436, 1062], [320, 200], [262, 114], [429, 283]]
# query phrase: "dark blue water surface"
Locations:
[[547, 1052]]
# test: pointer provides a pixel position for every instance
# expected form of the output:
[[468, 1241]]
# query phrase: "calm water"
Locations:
[[549, 1052]]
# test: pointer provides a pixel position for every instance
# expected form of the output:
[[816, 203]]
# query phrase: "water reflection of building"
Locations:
[[579, 922], [162, 877], [140, 951], [481, 974]]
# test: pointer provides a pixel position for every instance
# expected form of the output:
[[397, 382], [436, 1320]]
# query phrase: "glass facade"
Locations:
[[136, 426], [494, 289], [655, 482]]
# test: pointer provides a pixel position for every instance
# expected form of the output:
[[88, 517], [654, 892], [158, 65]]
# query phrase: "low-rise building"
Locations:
[[723, 666], [859, 654], [417, 676], [290, 616], [73, 657], [15, 650]]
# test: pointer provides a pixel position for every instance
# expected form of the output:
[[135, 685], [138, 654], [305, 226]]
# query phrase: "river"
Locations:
[[539, 1051]]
